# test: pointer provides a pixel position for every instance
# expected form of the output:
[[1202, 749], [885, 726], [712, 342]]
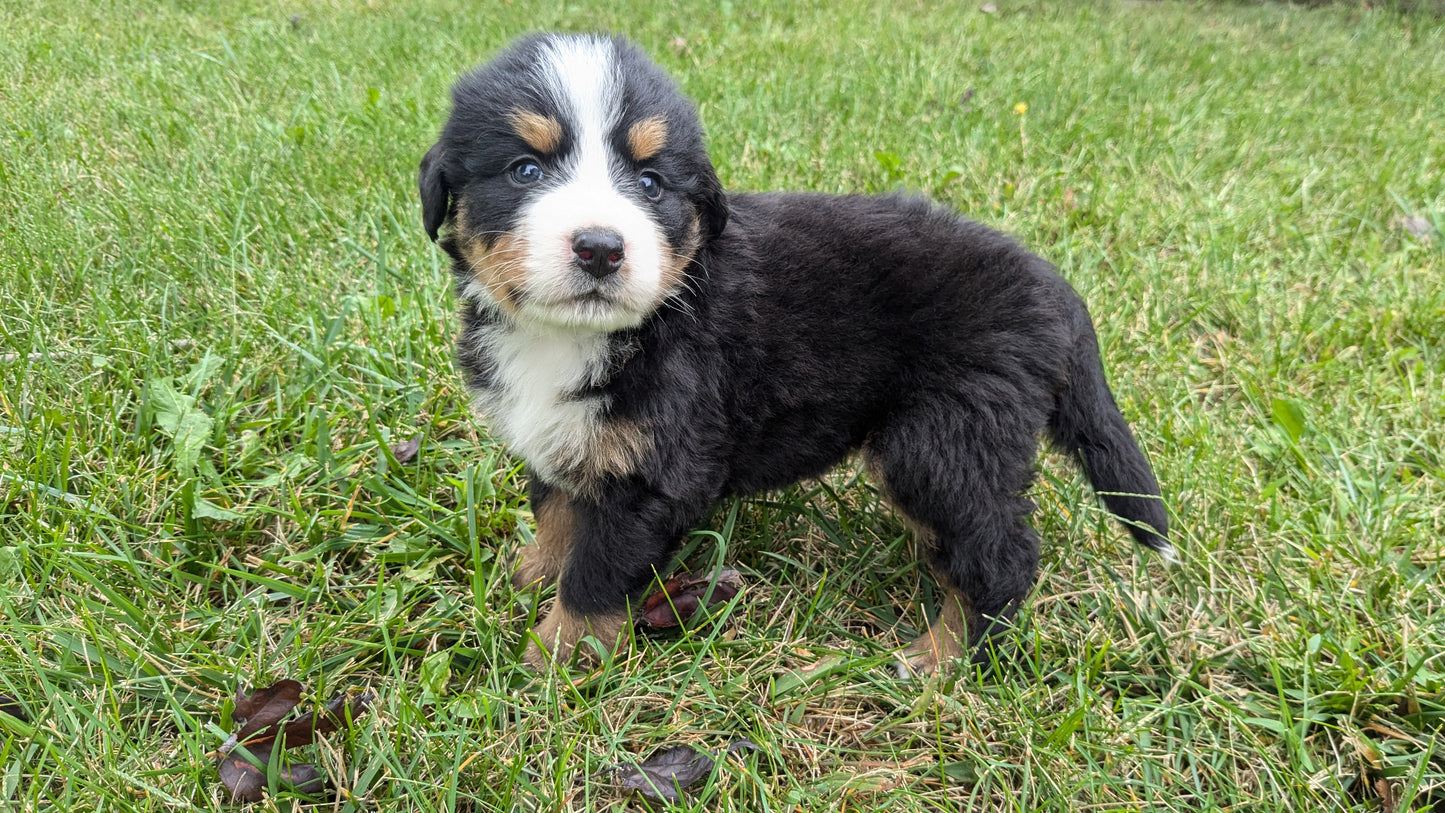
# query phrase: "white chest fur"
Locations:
[[532, 403]]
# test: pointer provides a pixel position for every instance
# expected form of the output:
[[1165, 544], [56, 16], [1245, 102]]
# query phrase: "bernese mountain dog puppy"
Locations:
[[649, 344]]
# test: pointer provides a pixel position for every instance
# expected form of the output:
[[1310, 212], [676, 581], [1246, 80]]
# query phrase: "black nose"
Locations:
[[598, 251]]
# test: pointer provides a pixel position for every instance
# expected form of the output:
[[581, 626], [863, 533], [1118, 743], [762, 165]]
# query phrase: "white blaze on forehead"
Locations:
[[583, 79], [581, 74]]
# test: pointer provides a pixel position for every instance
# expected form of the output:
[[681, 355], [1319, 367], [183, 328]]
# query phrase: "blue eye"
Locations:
[[526, 172], [650, 184]]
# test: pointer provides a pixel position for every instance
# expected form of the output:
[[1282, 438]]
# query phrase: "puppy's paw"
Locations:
[[555, 639], [536, 567], [932, 649], [944, 642]]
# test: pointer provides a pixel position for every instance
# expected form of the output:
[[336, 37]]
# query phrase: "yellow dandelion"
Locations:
[[1021, 108]]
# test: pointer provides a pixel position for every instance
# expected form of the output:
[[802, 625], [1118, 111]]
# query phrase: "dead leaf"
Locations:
[[664, 775], [1367, 752], [244, 780], [1419, 227], [1380, 727], [682, 595], [264, 708], [338, 713], [262, 732], [406, 451], [1388, 802], [988, 8]]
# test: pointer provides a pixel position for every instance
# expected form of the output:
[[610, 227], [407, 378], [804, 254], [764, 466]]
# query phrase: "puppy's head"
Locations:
[[574, 183]]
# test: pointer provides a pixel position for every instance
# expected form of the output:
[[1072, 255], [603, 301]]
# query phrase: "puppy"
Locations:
[[649, 344]]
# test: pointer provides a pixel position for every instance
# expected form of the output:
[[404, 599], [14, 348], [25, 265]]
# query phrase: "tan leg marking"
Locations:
[[541, 561], [945, 641], [561, 631], [647, 137]]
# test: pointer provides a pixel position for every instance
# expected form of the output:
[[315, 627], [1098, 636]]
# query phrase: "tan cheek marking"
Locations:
[[647, 137], [463, 216], [676, 260], [543, 559], [542, 133], [501, 267]]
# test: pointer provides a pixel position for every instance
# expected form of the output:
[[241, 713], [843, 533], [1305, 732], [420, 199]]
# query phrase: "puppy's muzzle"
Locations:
[[598, 252]]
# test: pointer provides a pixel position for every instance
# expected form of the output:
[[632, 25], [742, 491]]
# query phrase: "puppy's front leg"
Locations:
[[540, 562], [619, 543], [555, 638]]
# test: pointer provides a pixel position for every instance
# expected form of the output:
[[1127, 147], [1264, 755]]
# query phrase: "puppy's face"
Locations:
[[574, 180]]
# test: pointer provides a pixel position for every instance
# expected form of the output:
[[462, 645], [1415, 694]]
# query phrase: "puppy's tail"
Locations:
[[1087, 423]]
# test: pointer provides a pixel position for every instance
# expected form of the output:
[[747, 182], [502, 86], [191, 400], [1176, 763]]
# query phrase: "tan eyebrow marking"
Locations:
[[542, 133], [647, 137]]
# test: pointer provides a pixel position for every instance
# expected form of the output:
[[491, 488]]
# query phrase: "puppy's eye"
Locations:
[[650, 184], [526, 172]]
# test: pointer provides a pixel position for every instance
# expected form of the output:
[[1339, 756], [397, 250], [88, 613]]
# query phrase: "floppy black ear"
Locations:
[[713, 204], [435, 192]]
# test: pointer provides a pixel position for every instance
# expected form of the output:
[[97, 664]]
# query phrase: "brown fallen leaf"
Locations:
[[1380, 727], [682, 595], [1386, 791], [261, 733], [1419, 227], [247, 782], [264, 708], [664, 775], [406, 451]]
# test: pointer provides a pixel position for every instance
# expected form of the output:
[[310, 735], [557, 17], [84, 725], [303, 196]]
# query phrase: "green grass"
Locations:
[[218, 311]]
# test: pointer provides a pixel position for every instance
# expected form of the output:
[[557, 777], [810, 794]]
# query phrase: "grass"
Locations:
[[218, 313]]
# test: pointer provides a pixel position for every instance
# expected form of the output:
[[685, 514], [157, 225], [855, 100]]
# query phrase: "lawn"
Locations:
[[223, 333]]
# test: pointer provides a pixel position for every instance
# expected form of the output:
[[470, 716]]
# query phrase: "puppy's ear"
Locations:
[[712, 203], [435, 192]]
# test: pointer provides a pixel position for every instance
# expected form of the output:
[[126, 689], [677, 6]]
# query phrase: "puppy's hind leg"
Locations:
[[958, 471]]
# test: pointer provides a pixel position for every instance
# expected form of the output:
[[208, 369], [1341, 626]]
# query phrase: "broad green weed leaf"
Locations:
[[176, 414], [201, 371], [436, 673], [9, 564], [1289, 417], [190, 437], [209, 510], [169, 406]]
